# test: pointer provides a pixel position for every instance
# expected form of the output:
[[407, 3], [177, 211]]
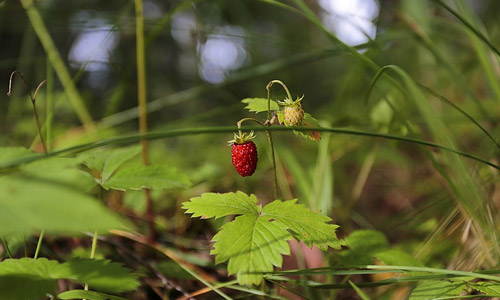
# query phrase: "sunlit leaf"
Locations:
[[258, 105], [255, 242], [215, 205], [306, 226], [252, 245]]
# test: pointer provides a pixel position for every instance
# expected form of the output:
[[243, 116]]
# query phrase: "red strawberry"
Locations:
[[244, 154]]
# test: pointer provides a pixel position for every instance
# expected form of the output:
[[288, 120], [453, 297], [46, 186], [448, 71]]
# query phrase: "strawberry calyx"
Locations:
[[241, 138], [290, 102]]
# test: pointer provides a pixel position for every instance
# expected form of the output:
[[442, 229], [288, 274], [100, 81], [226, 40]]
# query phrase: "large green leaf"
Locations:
[[252, 245], [431, 289], [211, 205], [28, 205], [306, 226], [155, 177]]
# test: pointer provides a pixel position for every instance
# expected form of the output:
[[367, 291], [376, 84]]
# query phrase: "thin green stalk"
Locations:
[[50, 106], [142, 104], [269, 134], [62, 72], [39, 244], [124, 140], [92, 253], [271, 144]]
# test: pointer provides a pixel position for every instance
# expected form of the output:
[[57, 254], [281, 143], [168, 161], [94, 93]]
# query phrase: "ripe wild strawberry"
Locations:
[[293, 111], [244, 154]]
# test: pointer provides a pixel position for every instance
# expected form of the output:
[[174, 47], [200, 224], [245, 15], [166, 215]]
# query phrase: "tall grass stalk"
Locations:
[[142, 104]]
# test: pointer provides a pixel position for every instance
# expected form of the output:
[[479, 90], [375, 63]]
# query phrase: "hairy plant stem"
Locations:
[[142, 104], [269, 134]]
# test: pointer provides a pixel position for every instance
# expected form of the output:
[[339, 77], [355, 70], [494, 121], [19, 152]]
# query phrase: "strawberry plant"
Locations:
[[117, 179]]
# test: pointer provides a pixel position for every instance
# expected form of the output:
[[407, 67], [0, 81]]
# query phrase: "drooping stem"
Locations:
[[33, 100], [143, 122], [268, 87]]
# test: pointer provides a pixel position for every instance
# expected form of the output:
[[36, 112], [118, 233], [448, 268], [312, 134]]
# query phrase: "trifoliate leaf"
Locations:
[[28, 205], [253, 245], [89, 295], [211, 205], [258, 105], [102, 275], [153, 177], [254, 242], [431, 289], [306, 226]]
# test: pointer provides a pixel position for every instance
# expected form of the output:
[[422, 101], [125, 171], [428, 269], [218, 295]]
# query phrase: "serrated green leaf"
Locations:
[[489, 288], [90, 295], [28, 205], [102, 275], [253, 245], [258, 105], [116, 159], [216, 205], [306, 226], [153, 177], [431, 289]]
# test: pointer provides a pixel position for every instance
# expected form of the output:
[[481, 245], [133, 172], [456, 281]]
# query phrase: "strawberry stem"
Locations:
[[270, 84]]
